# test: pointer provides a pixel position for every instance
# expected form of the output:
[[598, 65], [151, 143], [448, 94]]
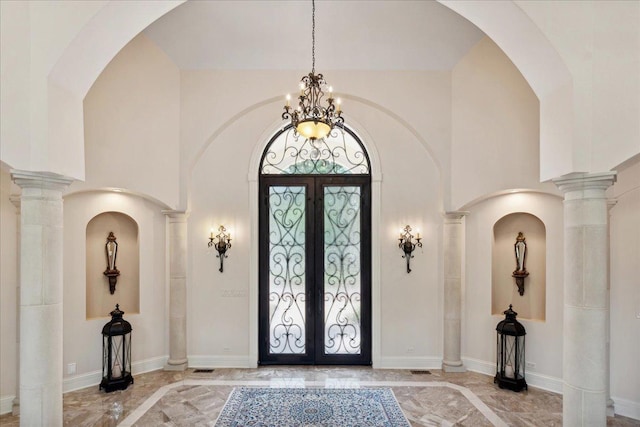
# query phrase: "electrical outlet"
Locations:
[[71, 368], [530, 365], [410, 349], [226, 350]]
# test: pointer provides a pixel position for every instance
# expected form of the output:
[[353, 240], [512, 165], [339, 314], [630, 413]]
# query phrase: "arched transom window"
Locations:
[[340, 153]]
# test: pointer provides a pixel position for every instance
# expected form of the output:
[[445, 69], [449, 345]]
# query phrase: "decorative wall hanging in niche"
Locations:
[[408, 245], [222, 245], [520, 250], [112, 272]]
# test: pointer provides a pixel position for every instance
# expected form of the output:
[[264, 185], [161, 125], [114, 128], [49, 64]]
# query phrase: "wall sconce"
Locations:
[[112, 273], [407, 245], [222, 245], [521, 272]]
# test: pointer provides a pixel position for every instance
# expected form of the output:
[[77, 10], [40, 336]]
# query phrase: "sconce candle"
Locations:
[[407, 245], [222, 244]]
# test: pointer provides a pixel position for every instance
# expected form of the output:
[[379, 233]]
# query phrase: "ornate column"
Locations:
[[453, 245], [15, 200], [177, 221], [584, 359], [41, 297]]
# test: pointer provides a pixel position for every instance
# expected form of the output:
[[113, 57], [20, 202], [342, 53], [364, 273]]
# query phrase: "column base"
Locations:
[[453, 367], [176, 365], [610, 408]]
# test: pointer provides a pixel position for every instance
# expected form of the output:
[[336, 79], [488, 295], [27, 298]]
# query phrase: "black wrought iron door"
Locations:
[[315, 272]]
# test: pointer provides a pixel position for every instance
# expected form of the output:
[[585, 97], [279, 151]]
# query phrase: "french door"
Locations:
[[315, 269]]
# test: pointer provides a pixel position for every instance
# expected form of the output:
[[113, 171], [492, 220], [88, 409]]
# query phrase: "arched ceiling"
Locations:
[[350, 35]]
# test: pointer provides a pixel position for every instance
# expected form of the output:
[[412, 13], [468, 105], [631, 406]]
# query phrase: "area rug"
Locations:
[[312, 407]]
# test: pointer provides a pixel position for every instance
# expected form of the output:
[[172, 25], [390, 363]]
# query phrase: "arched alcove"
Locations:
[[100, 302], [504, 291]]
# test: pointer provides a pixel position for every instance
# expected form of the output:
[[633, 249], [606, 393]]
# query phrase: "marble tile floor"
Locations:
[[189, 398]]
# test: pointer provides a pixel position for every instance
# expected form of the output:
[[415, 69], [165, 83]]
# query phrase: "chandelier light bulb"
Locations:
[[288, 97]]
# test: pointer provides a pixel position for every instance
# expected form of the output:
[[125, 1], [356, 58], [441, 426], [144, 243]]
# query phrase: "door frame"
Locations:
[[253, 235], [314, 289]]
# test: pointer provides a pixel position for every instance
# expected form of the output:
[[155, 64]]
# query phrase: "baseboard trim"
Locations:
[[544, 382], [6, 404], [408, 363], [626, 407], [200, 361], [93, 378]]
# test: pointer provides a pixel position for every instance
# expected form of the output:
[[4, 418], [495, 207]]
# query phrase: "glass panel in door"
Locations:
[[342, 270], [287, 270]]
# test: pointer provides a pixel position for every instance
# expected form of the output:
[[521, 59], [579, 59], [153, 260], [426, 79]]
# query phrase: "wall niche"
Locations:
[[504, 291], [100, 301]]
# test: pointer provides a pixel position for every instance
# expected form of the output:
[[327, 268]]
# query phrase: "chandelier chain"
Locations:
[[314, 117], [313, 36]]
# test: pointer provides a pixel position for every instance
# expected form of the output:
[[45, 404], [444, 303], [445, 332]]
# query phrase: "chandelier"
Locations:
[[313, 118]]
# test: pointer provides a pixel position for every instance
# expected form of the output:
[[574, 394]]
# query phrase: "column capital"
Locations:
[[585, 181], [454, 216], [46, 180], [15, 201], [176, 216]]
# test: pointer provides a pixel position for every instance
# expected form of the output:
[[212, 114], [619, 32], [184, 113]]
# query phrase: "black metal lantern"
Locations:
[[510, 353], [116, 353]]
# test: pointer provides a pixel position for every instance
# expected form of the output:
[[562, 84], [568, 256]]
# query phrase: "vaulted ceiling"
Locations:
[[350, 35]]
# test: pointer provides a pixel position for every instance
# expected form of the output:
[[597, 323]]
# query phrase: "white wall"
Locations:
[[625, 291], [34, 37], [82, 336], [600, 44], [132, 117], [544, 339], [495, 127]]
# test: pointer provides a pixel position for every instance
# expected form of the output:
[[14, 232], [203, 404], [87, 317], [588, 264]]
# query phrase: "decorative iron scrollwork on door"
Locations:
[[342, 279], [287, 290], [338, 153]]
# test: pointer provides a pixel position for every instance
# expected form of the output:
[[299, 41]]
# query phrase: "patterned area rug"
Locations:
[[312, 407]]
